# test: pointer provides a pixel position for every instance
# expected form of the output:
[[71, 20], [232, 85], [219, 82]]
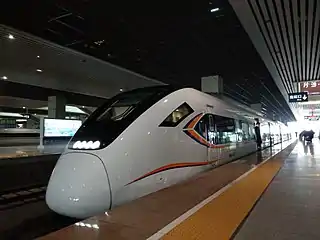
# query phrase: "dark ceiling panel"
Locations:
[[173, 48]]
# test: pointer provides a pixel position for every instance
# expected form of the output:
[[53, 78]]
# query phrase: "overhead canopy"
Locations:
[[208, 39], [286, 34], [30, 60]]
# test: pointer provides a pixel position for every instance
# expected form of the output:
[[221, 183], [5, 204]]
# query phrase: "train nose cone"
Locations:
[[79, 186]]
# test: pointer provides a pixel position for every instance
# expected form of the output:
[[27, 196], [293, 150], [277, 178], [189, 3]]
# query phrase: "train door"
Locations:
[[213, 154], [202, 128], [206, 128]]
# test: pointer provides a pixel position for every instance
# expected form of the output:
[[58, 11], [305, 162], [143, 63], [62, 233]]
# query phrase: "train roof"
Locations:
[[235, 108]]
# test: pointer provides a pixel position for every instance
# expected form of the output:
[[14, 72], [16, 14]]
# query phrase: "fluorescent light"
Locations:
[[214, 9], [69, 109], [4, 77], [10, 36], [7, 114], [39, 70]]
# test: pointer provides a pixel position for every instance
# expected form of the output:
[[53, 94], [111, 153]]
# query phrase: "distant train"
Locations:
[[148, 139]]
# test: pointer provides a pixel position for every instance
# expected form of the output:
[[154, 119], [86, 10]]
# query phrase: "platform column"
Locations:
[[57, 107]]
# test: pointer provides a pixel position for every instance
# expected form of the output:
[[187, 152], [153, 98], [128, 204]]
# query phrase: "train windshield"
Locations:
[[112, 118], [120, 108]]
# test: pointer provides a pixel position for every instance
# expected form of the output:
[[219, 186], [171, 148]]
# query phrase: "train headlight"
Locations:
[[96, 145], [77, 144], [86, 145], [90, 144]]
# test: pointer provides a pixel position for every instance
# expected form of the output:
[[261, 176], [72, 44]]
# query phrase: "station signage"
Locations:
[[312, 118], [60, 127], [298, 97], [311, 87]]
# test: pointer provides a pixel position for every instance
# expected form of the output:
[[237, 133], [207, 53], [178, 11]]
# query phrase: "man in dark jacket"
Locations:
[[308, 135]]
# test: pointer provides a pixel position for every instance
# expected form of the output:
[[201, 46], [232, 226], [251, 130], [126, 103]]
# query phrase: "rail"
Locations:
[[26, 172]]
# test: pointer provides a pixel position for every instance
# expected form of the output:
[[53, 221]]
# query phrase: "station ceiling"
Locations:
[[287, 37], [12, 90], [29, 106], [205, 39], [30, 60]]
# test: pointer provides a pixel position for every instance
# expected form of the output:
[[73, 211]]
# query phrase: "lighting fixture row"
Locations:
[[6, 78], [214, 9], [11, 37]]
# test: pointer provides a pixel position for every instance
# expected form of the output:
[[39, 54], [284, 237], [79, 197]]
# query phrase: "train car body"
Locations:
[[145, 140]]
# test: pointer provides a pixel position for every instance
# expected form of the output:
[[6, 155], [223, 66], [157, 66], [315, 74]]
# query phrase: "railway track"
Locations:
[[19, 197]]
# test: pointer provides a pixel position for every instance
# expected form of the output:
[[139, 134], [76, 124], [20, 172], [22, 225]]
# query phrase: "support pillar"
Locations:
[[56, 107]]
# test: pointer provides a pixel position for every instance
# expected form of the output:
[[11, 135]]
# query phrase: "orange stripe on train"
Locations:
[[195, 120], [192, 133], [173, 166]]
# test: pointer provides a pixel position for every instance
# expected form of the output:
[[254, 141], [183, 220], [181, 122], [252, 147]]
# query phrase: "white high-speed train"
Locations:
[[147, 139]]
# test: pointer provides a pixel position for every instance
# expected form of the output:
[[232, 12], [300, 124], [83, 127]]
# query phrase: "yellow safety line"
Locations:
[[220, 218]]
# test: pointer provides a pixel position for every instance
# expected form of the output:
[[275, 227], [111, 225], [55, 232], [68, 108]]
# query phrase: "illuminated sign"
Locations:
[[61, 127], [298, 97], [312, 87], [312, 118]]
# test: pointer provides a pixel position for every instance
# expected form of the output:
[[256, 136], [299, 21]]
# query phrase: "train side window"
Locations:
[[211, 129], [252, 132], [224, 124], [211, 123], [177, 116], [239, 130], [245, 131], [225, 128]]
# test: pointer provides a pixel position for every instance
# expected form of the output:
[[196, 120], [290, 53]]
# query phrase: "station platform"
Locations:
[[246, 199], [290, 207]]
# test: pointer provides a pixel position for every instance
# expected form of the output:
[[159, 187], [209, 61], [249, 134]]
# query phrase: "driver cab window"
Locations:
[[120, 108], [117, 111], [177, 116]]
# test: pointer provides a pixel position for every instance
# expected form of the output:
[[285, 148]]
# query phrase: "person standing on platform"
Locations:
[[257, 133]]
